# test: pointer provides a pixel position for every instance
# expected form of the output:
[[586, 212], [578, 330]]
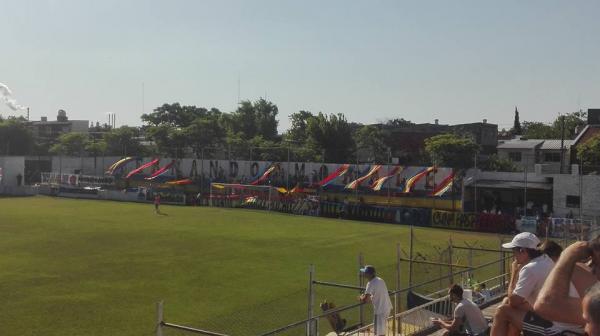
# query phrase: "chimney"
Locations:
[[485, 121], [44, 118], [593, 116], [437, 121]]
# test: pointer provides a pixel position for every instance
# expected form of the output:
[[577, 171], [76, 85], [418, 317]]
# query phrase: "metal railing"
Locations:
[[418, 320], [409, 322], [414, 318]]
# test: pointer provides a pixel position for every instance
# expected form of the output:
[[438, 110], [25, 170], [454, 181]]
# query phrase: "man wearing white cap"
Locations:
[[529, 270], [376, 292]]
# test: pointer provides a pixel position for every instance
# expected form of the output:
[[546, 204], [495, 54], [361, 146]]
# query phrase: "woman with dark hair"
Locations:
[[552, 249]]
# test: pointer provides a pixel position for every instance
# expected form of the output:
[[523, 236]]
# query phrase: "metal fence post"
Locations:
[[159, 318], [311, 299], [411, 257], [503, 263], [361, 309], [470, 274], [450, 260], [397, 302]]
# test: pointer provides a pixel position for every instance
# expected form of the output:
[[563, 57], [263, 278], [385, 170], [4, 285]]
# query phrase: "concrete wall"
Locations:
[[510, 176], [85, 165], [569, 185], [528, 157], [11, 167], [233, 171]]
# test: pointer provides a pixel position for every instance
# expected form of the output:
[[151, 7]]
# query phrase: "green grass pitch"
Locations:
[[79, 267]]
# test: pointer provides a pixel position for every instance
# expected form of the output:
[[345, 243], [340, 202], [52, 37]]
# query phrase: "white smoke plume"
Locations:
[[6, 98]]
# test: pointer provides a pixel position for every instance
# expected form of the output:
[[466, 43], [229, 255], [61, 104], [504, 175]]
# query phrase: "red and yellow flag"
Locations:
[[354, 184]]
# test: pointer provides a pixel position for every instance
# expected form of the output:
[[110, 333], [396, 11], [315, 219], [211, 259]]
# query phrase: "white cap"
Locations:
[[524, 240]]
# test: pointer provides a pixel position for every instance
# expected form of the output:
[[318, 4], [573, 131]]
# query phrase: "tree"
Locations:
[[539, 130], [297, 133], [169, 140], [124, 141], [451, 150], [71, 144], [250, 120], [371, 139], [589, 151], [496, 163], [572, 122], [15, 138], [205, 132], [266, 119], [332, 135], [174, 115], [517, 125], [398, 122], [95, 148]]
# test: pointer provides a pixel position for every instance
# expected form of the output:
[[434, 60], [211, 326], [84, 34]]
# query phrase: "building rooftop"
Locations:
[[555, 144], [520, 144]]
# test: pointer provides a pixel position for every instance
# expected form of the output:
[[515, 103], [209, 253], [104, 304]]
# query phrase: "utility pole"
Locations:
[[475, 173], [388, 169], [287, 175], [562, 142], [525, 189]]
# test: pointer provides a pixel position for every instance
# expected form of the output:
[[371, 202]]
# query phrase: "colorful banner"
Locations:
[[410, 183], [142, 167], [343, 169], [250, 200], [443, 186], [378, 184], [161, 171], [264, 176], [118, 164], [181, 182], [354, 184], [297, 189]]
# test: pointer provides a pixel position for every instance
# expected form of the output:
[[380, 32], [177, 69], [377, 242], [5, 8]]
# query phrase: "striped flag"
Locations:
[[354, 184]]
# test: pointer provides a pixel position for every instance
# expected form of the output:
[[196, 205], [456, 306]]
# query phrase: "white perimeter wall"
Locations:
[[569, 185], [11, 167], [233, 170]]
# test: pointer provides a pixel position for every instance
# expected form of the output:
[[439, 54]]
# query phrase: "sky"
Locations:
[[456, 61]]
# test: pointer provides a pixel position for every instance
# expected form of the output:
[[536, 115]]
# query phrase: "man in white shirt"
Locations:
[[529, 270], [376, 292], [466, 315]]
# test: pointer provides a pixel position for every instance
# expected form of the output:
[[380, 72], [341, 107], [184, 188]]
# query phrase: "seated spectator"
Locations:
[[591, 311], [551, 249], [468, 318], [529, 270], [556, 301], [483, 293]]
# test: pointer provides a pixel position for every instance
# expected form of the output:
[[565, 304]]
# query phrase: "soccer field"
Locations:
[[79, 267]]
